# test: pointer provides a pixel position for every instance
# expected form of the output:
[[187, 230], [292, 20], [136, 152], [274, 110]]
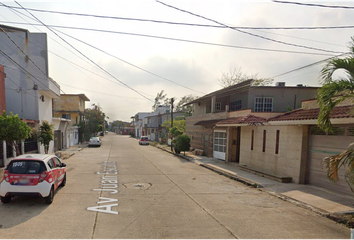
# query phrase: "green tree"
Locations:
[[159, 99], [13, 130], [94, 121], [182, 144], [46, 134], [179, 123], [235, 76], [333, 92], [186, 109]]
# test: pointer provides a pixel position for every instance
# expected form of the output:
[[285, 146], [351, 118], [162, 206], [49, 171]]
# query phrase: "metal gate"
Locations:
[[321, 146], [57, 140]]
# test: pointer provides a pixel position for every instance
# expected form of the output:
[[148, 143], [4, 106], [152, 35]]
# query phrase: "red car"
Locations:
[[33, 175]]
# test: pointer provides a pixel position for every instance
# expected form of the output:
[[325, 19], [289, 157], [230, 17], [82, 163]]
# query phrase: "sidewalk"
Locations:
[[338, 207]]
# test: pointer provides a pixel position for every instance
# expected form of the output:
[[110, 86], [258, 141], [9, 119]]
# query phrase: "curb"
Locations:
[[345, 219]]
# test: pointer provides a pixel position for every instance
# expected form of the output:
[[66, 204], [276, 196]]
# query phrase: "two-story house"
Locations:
[[29, 89], [70, 107], [215, 125]]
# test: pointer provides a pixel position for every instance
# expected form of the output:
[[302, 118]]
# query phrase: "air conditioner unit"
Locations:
[[280, 84]]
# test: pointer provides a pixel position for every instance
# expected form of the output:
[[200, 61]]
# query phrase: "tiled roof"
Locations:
[[208, 122], [249, 119], [310, 114]]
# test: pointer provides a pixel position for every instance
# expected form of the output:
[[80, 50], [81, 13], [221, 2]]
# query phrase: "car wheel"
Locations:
[[50, 198], [63, 183], [5, 199]]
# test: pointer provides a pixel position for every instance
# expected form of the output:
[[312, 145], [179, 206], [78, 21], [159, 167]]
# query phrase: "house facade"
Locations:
[[239, 105], [30, 91], [153, 126], [69, 110]]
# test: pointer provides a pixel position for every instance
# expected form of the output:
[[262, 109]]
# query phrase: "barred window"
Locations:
[[236, 105], [263, 104]]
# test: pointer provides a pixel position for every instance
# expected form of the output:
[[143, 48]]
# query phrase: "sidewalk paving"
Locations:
[[338, 207]]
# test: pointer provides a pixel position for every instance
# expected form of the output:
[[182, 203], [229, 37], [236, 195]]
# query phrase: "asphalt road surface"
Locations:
[[123, 190]]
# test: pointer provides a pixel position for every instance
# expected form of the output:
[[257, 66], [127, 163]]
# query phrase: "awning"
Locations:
[[239, 121]]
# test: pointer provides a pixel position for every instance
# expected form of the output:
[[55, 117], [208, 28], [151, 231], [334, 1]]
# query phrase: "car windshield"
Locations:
[[26, 167], [95, 138]]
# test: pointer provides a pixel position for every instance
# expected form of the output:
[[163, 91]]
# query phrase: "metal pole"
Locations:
[[172, 100]]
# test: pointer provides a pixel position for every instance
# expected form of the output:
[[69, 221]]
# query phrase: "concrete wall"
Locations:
[[45, 113], [202, 136], [21, 98], [284, 98], [289, 162]]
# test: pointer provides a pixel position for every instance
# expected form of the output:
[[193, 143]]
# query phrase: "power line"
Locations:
[[86, 56], [241, 31], [185, 40], [314, 5], [309, 65], [183, 23]]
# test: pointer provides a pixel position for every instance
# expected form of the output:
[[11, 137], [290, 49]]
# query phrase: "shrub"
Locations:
[[182, 143]]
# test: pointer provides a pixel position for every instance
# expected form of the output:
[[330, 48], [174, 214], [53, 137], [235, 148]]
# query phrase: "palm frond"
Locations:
[[345, 159]]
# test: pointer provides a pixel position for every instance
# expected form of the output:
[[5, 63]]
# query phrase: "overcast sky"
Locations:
[[124, 68]]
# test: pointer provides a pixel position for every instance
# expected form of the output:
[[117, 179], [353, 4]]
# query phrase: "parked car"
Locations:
[[144, 140], [95, 141], [33, 175]]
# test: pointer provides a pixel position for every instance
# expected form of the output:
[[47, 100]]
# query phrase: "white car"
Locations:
[[144, 140], [33, 175], [95, 141]]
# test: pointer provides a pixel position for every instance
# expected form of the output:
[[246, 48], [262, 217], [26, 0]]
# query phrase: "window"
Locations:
[[67, 116], [218, 106], [26, 167], [277, 142], [263, 104], [220, 142], [57, 162], [264, 140], [236, 105], [51, 163]]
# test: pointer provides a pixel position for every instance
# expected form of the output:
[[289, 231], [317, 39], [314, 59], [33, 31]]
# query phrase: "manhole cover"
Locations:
[[143, 186]]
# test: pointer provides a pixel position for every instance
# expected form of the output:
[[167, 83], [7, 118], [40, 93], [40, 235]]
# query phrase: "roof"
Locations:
[[249, 119], [80, 95], [237, 87], [42, 157], [208, 123], [310, 114]]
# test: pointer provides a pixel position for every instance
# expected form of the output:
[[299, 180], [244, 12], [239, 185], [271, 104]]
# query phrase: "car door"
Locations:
[[59, 172]]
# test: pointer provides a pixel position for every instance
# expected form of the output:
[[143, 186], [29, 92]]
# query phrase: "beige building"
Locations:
[[69, 109]]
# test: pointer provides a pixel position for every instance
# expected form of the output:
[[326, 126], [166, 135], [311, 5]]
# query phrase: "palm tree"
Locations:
[[332, 93]]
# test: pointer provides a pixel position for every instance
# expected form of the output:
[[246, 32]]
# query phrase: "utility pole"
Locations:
[[172, 100]]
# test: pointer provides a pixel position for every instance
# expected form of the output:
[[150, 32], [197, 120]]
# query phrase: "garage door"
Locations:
[[219, 144], [322, 145]]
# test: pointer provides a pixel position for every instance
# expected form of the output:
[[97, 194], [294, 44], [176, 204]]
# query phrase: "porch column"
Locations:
[[14, 150], [4, 153], [22, 147], [228, 154], [213, 101]]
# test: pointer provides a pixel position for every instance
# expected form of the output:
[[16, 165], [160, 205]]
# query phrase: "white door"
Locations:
[[219, 144]]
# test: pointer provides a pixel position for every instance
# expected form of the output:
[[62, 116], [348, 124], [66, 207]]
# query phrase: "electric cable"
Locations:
[[182, 23], [251, 34], [314, 5], [86, 56]]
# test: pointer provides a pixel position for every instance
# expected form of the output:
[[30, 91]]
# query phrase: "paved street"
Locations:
[[123, 190]]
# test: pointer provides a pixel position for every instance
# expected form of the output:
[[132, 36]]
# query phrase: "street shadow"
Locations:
[[21, 209]]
